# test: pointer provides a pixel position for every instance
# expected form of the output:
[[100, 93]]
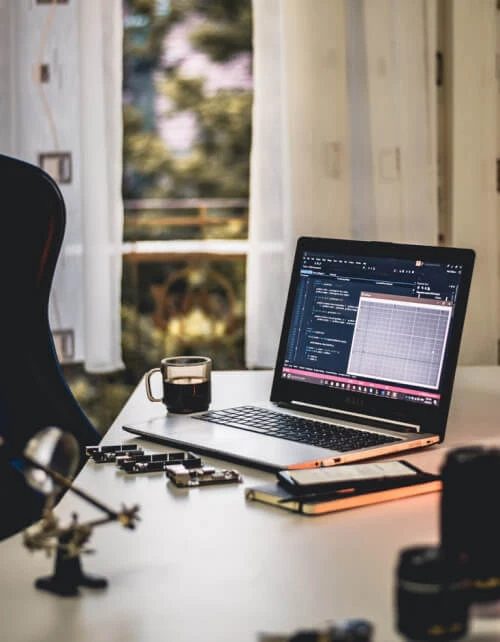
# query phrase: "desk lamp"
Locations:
[[51, 458]]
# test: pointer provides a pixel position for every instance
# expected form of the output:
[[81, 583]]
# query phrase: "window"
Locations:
[[187, 101]]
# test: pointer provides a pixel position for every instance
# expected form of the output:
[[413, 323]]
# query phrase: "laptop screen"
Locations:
[[373, 325]]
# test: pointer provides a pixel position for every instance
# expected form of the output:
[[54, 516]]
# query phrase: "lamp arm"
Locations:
[[60, 479]]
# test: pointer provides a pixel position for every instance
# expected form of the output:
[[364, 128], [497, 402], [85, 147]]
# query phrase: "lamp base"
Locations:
[[68, 577]]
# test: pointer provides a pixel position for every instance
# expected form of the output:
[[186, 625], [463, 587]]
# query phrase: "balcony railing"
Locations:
[[184, 219], [184, 262]]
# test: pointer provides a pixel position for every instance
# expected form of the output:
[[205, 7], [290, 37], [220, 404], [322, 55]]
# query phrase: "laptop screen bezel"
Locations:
[[429, 418]]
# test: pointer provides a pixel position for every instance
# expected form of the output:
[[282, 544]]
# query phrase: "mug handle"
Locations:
[[147, 381]]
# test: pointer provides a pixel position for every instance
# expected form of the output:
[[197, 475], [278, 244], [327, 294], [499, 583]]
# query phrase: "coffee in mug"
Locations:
[[186, 383]]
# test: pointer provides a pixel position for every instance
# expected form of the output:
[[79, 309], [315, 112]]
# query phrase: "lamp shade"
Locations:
[[53, 449]]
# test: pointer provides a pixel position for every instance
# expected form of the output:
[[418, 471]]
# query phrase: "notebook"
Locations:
[[365, 364], [276, 495]]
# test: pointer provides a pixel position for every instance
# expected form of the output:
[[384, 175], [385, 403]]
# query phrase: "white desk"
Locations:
[[204, 564]]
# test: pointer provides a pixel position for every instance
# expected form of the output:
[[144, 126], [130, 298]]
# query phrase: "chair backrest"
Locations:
[[33, 390]]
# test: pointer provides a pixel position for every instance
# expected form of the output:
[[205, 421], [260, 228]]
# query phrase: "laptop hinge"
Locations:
[[369, 420]]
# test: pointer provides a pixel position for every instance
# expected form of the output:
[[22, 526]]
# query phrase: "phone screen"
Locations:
[[351, 472], [348, 476]]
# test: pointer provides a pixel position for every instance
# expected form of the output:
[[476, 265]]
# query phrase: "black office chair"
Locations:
[[33, 391]]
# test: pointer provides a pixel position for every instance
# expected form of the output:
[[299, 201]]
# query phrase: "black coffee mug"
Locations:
[[186, 383]]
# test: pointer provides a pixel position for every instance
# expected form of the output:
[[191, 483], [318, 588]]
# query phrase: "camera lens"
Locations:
[[431, 596], [470, 530]]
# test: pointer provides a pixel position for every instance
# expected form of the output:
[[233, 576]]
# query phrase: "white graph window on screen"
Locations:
[[400, 339]]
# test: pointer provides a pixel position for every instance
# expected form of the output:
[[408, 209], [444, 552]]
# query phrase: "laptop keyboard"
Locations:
[[300, 429]]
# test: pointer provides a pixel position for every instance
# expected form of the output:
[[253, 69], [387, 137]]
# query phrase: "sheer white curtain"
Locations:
[[300, 161], [392, 89], [101, 29], [472, 118], [344, 137], [75, 110]]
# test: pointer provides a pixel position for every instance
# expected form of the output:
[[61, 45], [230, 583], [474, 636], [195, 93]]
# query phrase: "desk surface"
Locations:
[[205, 564]]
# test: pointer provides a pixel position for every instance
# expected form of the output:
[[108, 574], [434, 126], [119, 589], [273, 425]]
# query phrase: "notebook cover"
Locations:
[[276, 495]]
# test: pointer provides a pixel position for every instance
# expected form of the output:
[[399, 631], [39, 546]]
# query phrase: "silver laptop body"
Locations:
[[370, 342]]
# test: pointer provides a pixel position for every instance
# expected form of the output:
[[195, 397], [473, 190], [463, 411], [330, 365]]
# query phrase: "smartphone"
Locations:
[[355, 477]]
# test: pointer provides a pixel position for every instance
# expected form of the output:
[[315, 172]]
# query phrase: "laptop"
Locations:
[[365, 364]]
